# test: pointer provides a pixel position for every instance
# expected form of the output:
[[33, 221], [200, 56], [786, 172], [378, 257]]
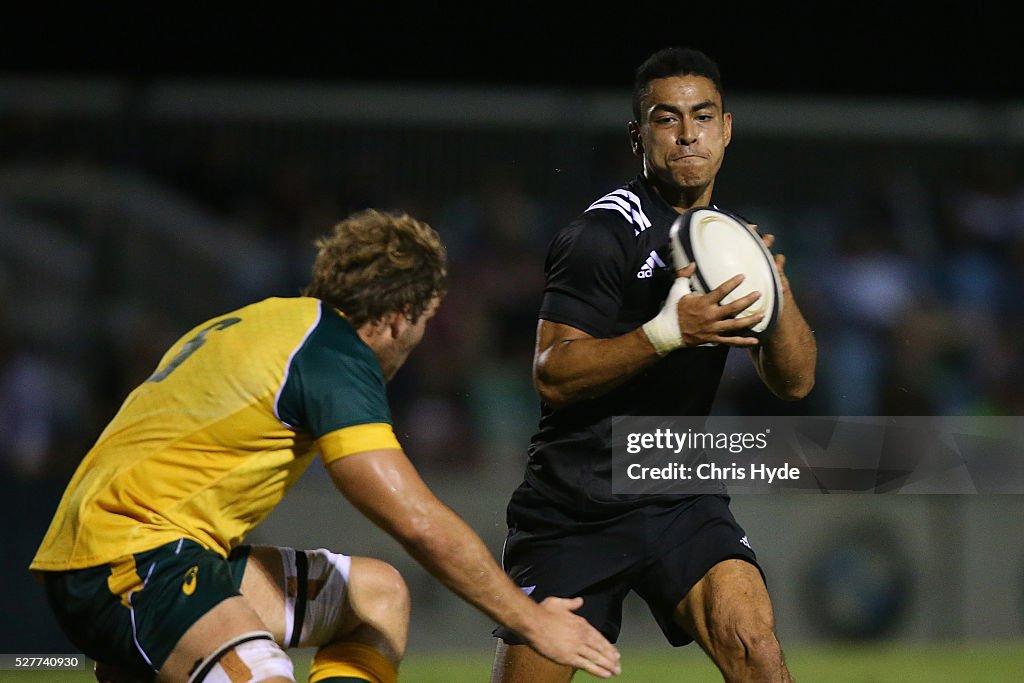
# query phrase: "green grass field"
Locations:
[[894, 663]]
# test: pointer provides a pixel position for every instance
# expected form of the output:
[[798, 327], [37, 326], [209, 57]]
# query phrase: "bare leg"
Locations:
[[376, 609], [230, 618], [522, 664], [729, 614]]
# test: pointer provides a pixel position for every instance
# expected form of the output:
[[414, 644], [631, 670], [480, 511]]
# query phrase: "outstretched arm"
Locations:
[[385, 487]]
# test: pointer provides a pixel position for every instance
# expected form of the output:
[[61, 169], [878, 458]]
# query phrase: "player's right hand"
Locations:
[[704, 319], [569, 639]]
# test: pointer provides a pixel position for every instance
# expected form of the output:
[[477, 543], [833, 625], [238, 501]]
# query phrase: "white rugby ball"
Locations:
[[723, 245]]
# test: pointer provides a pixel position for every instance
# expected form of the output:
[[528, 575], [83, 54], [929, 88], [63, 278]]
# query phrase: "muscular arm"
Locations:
[[570, 365], [386, 488], [787, 359]]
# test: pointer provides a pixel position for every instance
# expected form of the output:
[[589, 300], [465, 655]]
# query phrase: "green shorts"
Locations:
[[132, 613]]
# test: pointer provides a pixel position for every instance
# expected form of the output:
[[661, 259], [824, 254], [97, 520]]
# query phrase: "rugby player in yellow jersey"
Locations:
[[144, 562]]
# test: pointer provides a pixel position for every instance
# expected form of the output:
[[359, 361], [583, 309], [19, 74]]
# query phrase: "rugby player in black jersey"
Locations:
[[615, 339]]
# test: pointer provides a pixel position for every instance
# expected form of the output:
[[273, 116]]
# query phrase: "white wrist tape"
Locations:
[[663, 329]]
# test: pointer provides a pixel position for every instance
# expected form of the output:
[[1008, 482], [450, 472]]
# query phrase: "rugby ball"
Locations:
[[723, 245]]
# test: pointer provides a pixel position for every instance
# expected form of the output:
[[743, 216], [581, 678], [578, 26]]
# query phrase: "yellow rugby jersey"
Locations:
[[211, 442]]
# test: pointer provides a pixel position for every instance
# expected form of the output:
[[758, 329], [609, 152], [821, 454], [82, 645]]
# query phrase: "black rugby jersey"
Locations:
[[607, 273]]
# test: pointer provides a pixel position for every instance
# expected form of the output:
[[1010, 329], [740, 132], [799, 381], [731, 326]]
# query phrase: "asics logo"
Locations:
[[188, 586]]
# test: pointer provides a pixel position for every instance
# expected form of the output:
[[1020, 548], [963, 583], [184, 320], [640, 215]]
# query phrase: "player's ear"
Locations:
[[635, 143], [395, 323]]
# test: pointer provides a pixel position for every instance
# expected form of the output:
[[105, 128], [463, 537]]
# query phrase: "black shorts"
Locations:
[[658, 551]]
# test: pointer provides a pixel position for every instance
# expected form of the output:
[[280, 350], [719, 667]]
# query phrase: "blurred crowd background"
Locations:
[[130, 214], [131, 211]]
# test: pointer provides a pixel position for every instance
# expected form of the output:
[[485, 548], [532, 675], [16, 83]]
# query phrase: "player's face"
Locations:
[[683, 134], [410, 334]]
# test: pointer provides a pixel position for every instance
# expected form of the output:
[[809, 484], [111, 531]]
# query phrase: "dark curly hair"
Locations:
[[375, 262]]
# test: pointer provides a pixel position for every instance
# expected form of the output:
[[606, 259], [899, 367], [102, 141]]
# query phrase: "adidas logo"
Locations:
[[653, 261]]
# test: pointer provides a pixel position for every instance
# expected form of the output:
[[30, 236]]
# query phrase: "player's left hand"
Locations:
[[780, 259], [568, 638]]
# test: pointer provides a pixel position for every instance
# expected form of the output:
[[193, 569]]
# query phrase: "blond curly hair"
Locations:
[[374, 263]]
